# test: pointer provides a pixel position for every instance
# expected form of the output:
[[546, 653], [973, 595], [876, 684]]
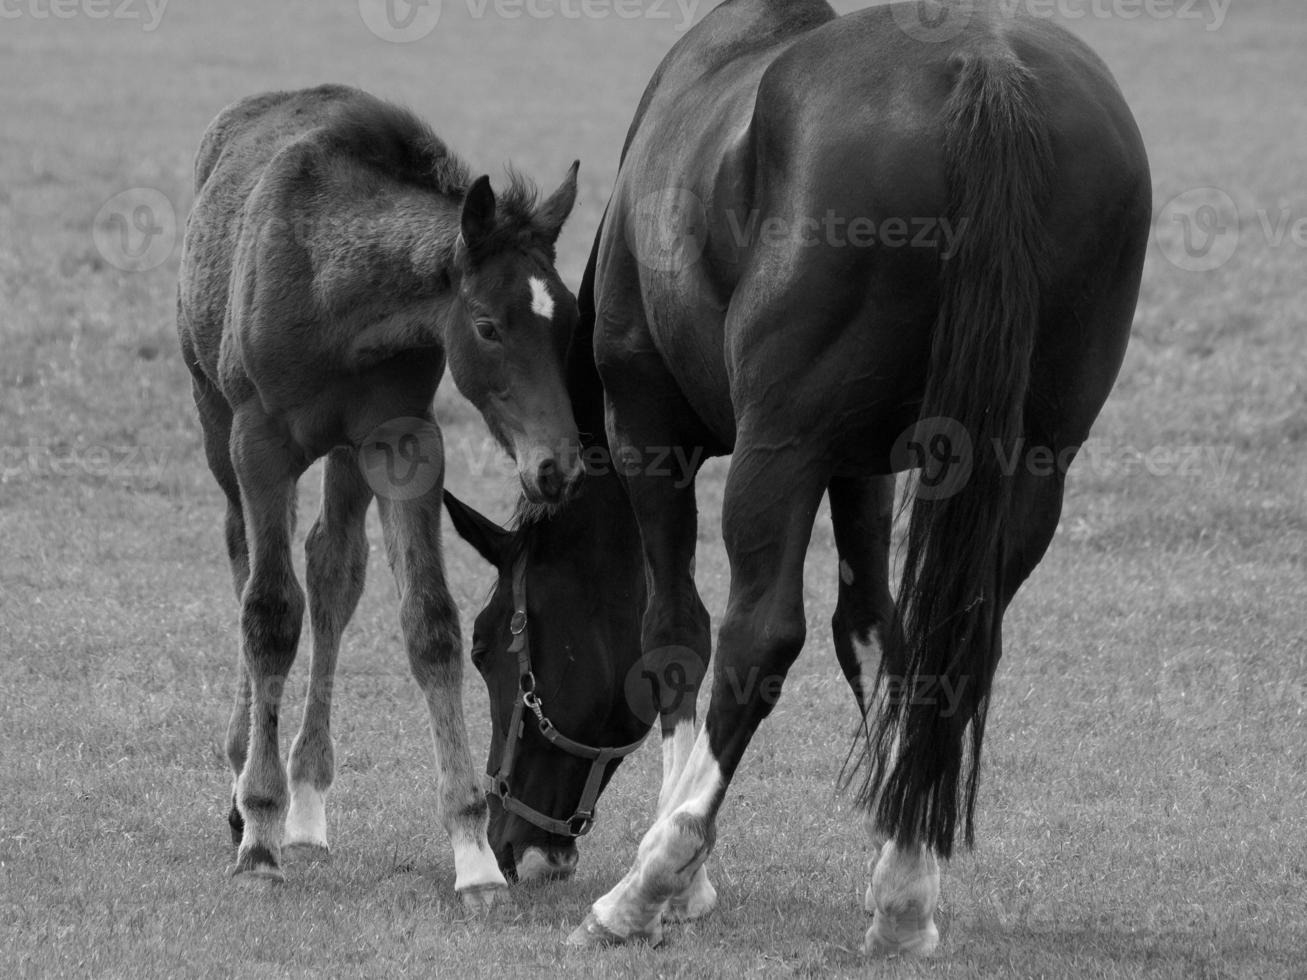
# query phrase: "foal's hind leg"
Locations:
[[215, 419], [429, 619], [336, 553], [272, 610]]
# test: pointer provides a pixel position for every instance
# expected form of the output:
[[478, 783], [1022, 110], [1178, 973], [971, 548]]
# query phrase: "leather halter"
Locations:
[[497, 783]]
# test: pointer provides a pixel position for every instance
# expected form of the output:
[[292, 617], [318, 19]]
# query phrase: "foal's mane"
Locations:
[[392, 139]]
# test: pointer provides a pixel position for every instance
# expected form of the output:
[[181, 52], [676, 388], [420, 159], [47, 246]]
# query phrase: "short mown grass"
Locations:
[[1146, 766]]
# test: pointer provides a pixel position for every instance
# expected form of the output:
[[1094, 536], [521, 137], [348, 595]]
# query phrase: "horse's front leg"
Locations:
[[766, 535], [429, 619], [676, 632]]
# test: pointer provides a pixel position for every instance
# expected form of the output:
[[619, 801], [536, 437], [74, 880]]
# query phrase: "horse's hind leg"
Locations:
[[215, 420], [429, 620], [272, 610], [336, 554], [904, 887], [862, 518], [862, 515]]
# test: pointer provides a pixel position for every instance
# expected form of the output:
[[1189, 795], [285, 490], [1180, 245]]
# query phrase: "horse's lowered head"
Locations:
[[561, 634], [512, 321]]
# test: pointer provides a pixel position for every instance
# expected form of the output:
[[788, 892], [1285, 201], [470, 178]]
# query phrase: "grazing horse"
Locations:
[[839, 248], [337, 253]]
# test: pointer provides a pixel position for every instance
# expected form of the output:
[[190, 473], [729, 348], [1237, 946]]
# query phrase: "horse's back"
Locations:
[[841, 117]]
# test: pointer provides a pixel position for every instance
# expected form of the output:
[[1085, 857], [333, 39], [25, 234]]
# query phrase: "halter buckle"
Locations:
[[517, 625]]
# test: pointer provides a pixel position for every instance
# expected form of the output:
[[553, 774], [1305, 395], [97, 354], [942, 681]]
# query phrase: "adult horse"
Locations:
[[837, 248], [336, 255]]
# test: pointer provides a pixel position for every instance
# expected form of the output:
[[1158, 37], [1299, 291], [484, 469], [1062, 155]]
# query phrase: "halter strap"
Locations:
[[499, 783]]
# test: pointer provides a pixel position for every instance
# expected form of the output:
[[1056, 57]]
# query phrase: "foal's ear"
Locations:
[[554, 211], [491, 541], [478, 218]]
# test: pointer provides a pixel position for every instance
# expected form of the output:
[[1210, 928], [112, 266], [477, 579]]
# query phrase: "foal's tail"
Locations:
[[998, 158]]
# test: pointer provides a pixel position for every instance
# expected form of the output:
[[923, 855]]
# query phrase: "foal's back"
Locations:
[[317, 214], [233, 157]]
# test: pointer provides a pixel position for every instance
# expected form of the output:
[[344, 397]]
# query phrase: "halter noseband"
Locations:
[[497, 783]]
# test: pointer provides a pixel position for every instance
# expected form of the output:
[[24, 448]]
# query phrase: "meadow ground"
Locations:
[[1146, 775]]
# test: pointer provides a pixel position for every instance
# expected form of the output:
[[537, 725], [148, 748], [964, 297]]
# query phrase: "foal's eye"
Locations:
[[487, 331]]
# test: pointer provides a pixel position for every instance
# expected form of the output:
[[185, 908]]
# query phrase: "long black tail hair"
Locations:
[[998, 158]]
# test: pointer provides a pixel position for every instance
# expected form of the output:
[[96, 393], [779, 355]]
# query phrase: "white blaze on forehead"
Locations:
[[542, 304]]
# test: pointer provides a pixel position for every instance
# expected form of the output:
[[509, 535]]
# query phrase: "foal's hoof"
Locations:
[[593, 934], [257, 866], [306, 851], [480, 899], [887, 940]]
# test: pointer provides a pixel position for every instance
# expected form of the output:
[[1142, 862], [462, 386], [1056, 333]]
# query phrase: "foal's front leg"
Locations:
[[429, 619]]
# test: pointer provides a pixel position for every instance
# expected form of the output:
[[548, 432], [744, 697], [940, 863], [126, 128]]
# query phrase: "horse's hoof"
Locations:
[[480, 899], [593, 934], [883, 942], [257, 865], [306, 850], [236, 824], [697, 903]]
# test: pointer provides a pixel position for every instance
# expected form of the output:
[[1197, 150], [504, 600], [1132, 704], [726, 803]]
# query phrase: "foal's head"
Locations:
[[511, 326]]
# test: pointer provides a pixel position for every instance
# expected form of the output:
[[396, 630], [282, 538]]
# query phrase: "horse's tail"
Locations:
[[998, 161]]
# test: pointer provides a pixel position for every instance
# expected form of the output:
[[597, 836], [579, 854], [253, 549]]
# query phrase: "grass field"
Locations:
[[1146, 778]]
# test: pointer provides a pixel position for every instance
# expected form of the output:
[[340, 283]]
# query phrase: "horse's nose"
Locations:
[[556, 479], [549, 478]]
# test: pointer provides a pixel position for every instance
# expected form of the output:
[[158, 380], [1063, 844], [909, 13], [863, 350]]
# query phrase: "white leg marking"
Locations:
[[624, 910], [542, 303], [696, 901], [904, 892], [700, 898], [676, 753], [306, 823], [475, 867], [868, 651]]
